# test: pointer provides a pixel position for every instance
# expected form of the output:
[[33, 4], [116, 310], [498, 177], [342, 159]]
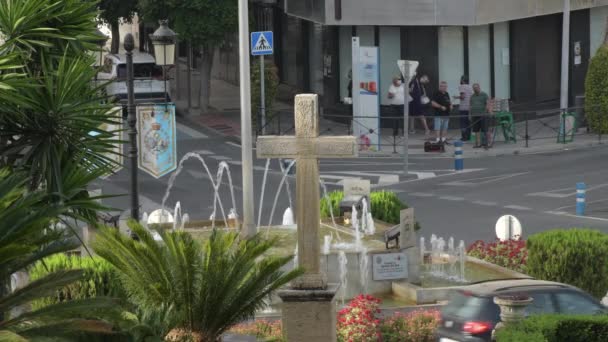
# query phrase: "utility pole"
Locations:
[[248, 229], [565, 58]]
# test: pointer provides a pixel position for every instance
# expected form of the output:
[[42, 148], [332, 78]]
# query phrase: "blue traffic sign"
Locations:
[[261, 43]]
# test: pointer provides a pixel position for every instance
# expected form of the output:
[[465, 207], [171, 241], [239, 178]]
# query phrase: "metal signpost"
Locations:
[[408, 71], [262, 45]]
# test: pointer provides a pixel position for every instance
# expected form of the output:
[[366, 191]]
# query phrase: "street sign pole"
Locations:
[[262, 96], [249, 229], [408, 71]]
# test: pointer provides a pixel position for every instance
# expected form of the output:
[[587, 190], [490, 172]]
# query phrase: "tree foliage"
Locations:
[[596, 92], [201, 22], [113, 12], [48, 104]]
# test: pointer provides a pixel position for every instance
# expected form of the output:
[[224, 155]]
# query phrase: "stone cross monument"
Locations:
[[308, 314]]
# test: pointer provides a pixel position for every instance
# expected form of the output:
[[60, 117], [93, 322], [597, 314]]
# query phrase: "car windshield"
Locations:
[[468, 306], [141, 70]]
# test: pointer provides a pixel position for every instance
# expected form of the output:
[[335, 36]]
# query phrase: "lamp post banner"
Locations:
[[157, 139]]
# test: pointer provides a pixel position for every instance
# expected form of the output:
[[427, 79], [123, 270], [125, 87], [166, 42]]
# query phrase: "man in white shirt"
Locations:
[[464, 108], [396, 99]]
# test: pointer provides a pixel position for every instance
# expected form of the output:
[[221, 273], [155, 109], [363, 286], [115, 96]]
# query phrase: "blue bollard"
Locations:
[[458, 162], [581, 190]]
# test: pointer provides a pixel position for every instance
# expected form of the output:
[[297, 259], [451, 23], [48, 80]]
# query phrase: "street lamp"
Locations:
[[163, 40], [129, 45]]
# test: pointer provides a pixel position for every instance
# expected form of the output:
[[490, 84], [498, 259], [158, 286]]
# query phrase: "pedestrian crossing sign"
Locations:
[[261, 43]]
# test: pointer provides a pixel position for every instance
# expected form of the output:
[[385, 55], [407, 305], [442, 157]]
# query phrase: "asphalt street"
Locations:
[[539, 189]]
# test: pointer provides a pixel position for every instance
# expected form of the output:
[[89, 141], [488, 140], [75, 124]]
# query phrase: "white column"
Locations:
[[502, 69], [479, 56], [390, 53], [451, 57], [597, 30]]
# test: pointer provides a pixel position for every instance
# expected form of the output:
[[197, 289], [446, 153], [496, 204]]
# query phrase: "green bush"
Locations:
[[575, 256], [385, 206], [99, 278], [596, 92], [271, 86], [557, 328]]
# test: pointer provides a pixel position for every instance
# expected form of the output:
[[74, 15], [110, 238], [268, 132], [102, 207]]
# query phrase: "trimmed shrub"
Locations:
[[99, 278], [575, 256], [596, 92], [335, 197], [557, 328], [385, 206]]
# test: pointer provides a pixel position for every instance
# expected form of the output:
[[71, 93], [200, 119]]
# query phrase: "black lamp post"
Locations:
[[163, 40], [129, 45]]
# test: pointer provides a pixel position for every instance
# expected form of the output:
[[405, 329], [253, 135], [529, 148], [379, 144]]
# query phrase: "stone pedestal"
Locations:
[[309, 315]]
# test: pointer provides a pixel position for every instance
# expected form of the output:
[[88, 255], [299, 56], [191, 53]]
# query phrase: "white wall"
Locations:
[[502, 71], [451, 57], [479, 56], [390, 52], [597, 23], [346, 61]]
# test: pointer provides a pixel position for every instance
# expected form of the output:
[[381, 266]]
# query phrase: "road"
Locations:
[[538, 188]]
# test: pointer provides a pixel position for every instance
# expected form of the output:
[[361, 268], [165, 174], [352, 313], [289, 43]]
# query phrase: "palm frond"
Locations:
[[211, 286]]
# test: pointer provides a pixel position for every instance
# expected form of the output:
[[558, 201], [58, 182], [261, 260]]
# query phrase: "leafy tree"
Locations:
[[207, 288], [112, 12], [203, 23], [596, 92], [48, 104]]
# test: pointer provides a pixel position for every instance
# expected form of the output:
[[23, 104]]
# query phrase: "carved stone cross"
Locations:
[[307, 147]]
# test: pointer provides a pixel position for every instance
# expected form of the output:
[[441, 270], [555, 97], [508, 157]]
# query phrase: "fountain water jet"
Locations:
[[342, 261]]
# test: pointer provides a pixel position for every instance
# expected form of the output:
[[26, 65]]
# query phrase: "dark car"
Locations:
[[471, 313]]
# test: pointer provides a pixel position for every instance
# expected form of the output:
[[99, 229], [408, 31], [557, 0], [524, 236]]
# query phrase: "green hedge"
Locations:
[[575, 256], [99, 278], [385, 206], [557, 328], [596, 92]]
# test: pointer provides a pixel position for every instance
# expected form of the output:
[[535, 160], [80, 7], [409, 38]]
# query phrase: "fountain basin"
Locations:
[[434, 290]]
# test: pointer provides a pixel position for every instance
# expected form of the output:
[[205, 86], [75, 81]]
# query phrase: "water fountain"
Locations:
[[288, 219], [326, 244]]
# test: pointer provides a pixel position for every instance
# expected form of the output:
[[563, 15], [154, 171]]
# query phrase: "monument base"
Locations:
[[316, 281], [309, 315]]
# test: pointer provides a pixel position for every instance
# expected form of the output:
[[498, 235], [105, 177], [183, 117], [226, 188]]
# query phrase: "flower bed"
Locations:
[[360, 321], [511, 254]]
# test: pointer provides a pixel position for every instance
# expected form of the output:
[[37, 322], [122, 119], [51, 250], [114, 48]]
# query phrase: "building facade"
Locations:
[[511, 48]]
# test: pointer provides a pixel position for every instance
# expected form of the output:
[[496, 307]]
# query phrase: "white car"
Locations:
[[148, 85]]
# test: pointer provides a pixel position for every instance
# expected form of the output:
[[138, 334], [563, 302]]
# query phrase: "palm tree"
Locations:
[[208, 287], [48, 102], [27, 236]]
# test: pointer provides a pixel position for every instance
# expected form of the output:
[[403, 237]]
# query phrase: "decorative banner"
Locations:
[[116, 129], [366, 121], [157, 139]]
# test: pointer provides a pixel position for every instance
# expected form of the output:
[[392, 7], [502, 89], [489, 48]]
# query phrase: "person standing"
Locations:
[[396, 99], [419, 99], [464, 108], [479, 114], [442, 104]]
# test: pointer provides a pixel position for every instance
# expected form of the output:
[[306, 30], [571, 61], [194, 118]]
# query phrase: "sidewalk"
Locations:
[[224, 117]]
